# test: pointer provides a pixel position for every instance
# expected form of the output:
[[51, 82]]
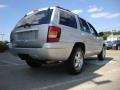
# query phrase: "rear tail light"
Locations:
[[54, 33]]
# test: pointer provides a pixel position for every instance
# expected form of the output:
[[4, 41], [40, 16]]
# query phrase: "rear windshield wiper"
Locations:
[[27, 25]]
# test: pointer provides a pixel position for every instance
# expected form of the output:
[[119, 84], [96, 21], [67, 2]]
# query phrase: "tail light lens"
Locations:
[[54, 33]]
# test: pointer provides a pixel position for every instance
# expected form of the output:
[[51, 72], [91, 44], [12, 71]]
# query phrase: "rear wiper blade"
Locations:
[[27, 24]]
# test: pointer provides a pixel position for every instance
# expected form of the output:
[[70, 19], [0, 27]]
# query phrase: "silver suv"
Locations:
[[55, 34]]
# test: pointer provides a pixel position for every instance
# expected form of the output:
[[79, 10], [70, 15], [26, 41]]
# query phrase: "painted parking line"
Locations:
[[63, 83], [9, 63], [99, 63], [72, 81]]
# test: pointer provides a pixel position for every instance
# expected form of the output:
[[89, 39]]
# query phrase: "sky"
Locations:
[[104, 15]]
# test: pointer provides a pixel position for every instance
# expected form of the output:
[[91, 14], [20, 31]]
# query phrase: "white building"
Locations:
[[113, 37]]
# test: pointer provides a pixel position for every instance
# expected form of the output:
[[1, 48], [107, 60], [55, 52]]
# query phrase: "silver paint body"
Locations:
[[61, 50]]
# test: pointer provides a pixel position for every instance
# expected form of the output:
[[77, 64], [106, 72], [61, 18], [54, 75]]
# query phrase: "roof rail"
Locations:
[[63, 8]]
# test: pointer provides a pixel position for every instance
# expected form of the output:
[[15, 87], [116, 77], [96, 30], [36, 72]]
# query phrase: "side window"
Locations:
[[83, 25], [67, 19], [92, 29]]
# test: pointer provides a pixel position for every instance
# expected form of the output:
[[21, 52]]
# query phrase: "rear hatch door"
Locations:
[[31, 31]]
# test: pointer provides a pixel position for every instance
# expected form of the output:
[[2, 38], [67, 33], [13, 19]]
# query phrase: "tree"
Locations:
[[106, 34]]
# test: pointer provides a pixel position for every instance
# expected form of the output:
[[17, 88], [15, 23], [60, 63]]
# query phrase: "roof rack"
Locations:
[[63, 8]]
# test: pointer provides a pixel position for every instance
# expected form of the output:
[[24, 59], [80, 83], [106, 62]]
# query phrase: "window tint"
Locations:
[[83, 25], [92, 29], [67, 19], [41, 17]]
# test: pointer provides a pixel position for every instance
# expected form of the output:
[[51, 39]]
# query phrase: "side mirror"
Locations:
[[100, 34]]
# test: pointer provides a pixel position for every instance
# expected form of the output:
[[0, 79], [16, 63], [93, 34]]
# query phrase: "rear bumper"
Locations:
[[50, 51]]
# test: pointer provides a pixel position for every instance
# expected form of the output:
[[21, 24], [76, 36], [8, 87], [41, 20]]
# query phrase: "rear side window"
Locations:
[[93, 31], [67, 19], [83, 25]]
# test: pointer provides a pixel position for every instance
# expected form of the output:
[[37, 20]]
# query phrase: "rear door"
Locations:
[[96, 39], [31, 31], [88, 37]]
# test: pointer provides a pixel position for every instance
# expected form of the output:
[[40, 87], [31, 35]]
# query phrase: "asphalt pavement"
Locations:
[[96, 75]]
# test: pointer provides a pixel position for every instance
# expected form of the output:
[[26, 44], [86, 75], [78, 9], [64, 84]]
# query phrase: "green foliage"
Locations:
[[3, 46], [108, 33], [116, 33]]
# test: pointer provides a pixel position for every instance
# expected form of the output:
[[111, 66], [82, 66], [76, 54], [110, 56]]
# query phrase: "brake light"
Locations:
[[54, 33]]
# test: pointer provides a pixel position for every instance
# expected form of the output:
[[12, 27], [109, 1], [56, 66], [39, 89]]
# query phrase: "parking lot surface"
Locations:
[[96, 75]]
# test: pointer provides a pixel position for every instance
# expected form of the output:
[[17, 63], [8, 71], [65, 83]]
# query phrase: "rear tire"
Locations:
[[33, 63], [102, 54], [76, 61], [117, 47]]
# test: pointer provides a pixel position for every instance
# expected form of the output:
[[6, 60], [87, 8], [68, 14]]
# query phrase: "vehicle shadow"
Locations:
[[54, 76]]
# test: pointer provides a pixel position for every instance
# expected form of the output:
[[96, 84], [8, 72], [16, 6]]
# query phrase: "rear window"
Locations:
[[67, 19], [41, 17]]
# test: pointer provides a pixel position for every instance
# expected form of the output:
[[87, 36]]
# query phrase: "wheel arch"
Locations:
[[79, 44]]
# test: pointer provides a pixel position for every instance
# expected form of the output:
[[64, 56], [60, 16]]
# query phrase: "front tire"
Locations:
[[76, 61], [102, 54]]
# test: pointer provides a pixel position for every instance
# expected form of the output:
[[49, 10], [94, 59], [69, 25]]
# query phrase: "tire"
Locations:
[[33, 63], [118, 47], [102, 54], [76, 61]]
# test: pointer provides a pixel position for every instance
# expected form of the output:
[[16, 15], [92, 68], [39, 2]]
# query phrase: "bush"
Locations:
[[3, 46]]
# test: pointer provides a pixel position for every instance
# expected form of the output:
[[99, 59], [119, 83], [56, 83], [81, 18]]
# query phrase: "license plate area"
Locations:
[[27, 35]]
